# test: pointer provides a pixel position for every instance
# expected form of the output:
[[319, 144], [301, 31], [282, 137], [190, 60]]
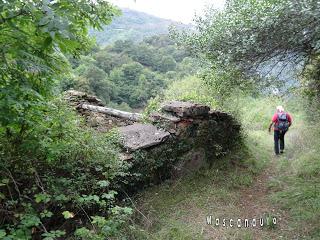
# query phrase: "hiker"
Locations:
[[281, 121]]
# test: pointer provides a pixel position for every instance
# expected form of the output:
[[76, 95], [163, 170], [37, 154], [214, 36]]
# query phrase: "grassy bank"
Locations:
[[297, 186]]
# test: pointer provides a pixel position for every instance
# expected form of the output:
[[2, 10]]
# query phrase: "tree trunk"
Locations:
[[112, 112]]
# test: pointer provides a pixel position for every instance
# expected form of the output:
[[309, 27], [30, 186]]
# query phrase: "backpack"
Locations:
[[283, 123]]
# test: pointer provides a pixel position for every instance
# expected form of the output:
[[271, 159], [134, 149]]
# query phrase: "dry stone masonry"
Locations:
[[100, 121], [180, 138], [141, 136]]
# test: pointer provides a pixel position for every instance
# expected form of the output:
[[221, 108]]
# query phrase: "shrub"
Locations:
[[58, 179]]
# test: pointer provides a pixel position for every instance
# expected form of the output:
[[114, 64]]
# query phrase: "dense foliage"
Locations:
[[252, 32], [54, 181], [34, 37], [127, 74], [250, 35]]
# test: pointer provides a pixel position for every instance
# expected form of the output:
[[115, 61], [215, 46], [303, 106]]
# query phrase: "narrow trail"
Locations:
[[255, 201]]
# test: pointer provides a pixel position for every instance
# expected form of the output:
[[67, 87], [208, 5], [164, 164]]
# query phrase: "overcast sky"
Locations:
[[178, 10]]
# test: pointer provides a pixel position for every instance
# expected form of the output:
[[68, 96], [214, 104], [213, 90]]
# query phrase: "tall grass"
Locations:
[[298, 171], [299, 191]]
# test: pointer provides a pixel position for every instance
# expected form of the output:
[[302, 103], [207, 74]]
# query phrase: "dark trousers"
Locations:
[[279, 140]]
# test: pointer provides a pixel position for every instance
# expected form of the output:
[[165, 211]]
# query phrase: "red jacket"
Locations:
[[275, 119]]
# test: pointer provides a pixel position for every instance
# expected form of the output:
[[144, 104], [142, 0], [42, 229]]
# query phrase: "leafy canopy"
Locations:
[[35, 35], [262, 41], [250, 32]]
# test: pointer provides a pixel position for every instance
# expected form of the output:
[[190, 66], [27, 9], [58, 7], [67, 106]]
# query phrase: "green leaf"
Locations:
[[109, 195], [2, 196], [127, 210], [103, 183], [2, 233], [67, 214], [52, 235], [43, 21], [42, 197], [30, 220], [47, 42], [46, 213]]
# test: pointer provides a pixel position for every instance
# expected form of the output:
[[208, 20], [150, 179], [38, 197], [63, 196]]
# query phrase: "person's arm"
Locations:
[[289, 120], [270, 126], [273, 120]]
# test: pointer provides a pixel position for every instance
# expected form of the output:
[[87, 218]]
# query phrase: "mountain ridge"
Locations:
[[133, 25]]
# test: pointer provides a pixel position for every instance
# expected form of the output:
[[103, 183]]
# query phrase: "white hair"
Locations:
[[280, 109]]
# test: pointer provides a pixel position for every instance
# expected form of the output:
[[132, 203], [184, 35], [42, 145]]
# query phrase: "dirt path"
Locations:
[[255, 202]]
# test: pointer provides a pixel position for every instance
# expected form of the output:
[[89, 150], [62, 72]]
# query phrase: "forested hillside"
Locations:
[[135, 26], [127, 74], [134, 60]]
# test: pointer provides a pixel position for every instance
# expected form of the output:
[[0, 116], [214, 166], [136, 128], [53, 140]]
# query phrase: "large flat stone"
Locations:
[[139, 136], [186, 109], [163, 117], [78, 97]]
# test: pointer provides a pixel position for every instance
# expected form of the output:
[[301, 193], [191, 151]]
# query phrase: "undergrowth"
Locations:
[[57, 180], [297, 188]]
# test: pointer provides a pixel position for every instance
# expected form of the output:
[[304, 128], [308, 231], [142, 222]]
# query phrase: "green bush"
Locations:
[[58, 178], [191, 89], [300, 192]]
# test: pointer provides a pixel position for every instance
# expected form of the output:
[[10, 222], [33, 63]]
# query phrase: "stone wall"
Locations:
[[179, 139], [182, 138], [99, 121]]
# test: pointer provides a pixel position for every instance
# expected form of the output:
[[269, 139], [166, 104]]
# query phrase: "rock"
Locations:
[[112, 112], [154, 117], [186, 109], [172, 131], [100, 121], [191, 162], [95, 120], [219, 114], [125, 156], [140, 136], [77, 97]]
